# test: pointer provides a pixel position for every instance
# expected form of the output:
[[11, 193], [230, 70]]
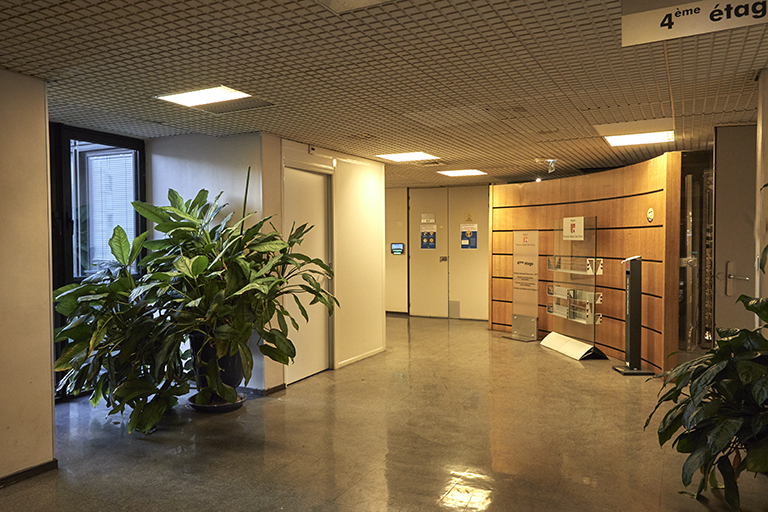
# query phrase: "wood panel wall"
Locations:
[[620, 200]]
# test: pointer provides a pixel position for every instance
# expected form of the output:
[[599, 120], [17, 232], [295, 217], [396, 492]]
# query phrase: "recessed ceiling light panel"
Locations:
[[640, 138], [408, 157], [205, 96], [464, 172], [649, 131]]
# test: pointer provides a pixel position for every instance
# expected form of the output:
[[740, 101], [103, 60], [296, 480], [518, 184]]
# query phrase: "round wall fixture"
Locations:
[[649, 215]]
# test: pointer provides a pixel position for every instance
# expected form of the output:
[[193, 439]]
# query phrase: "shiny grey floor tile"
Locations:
[[452, 417]]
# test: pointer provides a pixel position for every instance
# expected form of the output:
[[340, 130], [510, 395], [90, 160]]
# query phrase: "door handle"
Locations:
[[730, 278]]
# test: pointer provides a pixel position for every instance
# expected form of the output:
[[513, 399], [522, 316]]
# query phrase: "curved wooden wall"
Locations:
[[620, 200]]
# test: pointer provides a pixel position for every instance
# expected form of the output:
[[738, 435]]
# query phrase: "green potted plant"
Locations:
[[209, 280], [720, 401]]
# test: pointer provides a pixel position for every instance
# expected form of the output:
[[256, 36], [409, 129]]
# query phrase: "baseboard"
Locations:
[[275, 389], [29, 473], [360, 357]]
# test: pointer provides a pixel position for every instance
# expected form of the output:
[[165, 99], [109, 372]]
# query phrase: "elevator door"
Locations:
[[735, 165], [306, 201], [428, 264]]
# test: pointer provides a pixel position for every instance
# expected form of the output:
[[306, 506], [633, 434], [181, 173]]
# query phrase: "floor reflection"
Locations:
[[451, 417]]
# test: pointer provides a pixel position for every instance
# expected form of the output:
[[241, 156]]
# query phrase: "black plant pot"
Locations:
[[231, 366]]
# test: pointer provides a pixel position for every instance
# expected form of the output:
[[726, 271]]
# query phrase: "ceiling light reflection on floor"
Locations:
[[466, 497], [462, 495]]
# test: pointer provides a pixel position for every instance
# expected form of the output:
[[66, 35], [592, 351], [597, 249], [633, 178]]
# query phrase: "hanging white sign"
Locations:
[[689, 19]]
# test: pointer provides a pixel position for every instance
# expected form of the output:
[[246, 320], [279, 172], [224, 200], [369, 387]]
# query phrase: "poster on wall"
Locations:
[[469, 236], [429, 236], [525, 288], [573, 228]]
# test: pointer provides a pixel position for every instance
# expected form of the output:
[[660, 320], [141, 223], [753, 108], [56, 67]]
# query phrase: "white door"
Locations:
[[306, 201], [428, 253], [735, 170]]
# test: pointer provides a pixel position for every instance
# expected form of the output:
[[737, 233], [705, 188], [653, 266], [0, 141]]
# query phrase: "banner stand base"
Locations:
[[572, 348], [628, 371]]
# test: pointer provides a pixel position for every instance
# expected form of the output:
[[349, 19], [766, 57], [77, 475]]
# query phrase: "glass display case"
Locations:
[[572, 296]]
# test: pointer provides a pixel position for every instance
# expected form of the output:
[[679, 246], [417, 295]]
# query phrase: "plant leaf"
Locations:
[[694, 462], [700, 387], [729, 481], [199, 264], [176, 200], [274, 354], [274, 246], [671, 423], [750, 371], [723, 433], [138, 245], [757, 306], [150, 212], [118, 243], [64, 362], [191, 267], [760, 390], [200, 199], [757, 458], [306, 317], [98, 335]]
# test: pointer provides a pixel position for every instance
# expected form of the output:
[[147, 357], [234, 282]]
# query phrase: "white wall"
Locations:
[[357, 246], [26, 383], [359, 323], [188, 163], [397, 266], [468, 268], [272, 204]]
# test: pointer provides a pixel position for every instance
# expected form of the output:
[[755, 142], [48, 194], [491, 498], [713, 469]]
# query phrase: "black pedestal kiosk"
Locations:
[[634, 315]]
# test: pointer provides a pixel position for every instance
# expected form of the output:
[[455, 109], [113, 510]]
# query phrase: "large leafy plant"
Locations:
[[120, 346], [720, 402], [222, 282]]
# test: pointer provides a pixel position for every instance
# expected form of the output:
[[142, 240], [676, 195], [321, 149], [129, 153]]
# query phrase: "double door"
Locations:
[[448, 252]]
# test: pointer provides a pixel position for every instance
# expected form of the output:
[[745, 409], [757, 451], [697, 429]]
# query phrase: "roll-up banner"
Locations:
[[525, 288]]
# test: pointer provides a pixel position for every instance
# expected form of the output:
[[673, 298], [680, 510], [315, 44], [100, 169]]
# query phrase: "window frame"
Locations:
[[61, 197]]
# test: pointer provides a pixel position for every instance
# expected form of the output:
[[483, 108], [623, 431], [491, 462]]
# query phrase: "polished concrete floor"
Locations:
[[451, 417]]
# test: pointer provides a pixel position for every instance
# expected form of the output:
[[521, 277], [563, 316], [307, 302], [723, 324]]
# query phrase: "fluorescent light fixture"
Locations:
[[640, 138], [538, 180], [408, 157], [205, 96], [650, 131], [464, 172]]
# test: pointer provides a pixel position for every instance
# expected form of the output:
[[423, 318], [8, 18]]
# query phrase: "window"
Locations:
[[94, 178], [103, 187]]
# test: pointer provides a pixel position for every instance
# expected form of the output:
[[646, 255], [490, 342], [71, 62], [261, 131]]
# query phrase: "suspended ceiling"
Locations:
[[482, 84]]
